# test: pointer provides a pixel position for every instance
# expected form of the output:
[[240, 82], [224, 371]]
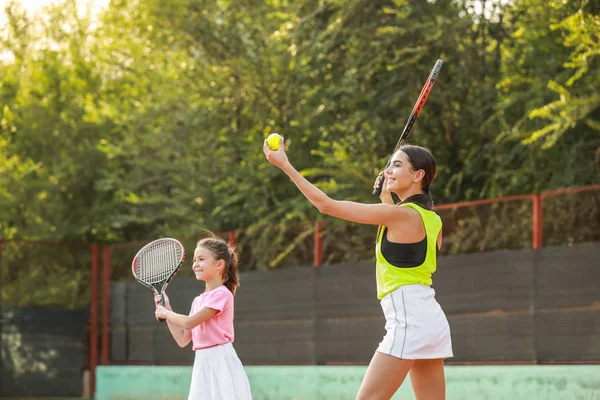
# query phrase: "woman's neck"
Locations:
[[409, 192]]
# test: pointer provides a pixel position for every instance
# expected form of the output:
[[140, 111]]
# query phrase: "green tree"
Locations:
[[150, 121], [548, 108]]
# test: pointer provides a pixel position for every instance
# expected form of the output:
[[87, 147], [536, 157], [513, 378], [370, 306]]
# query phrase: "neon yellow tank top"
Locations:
[[389, 277]]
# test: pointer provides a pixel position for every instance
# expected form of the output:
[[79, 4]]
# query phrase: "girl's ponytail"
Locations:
[[231, 275]]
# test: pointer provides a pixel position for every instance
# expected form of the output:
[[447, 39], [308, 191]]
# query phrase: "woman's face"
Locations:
[[400, 176]]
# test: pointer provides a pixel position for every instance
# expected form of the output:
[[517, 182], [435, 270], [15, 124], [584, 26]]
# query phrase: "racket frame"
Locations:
[[413, 116], [165, 282]]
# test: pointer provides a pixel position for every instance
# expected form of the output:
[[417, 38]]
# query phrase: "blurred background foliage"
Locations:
[[147, 120]]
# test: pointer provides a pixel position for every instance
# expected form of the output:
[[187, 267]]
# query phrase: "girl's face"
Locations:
[[205, 265], [399, 176]]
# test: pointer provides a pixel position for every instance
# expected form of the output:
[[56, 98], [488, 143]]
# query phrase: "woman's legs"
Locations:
[[428, 380], [384, 376]]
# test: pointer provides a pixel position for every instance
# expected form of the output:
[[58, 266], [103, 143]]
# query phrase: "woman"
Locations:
[[409, 236]]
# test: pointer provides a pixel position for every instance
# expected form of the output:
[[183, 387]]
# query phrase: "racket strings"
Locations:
[[158, 261]]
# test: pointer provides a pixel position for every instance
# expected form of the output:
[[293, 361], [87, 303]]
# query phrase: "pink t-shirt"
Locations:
[[219, 329]]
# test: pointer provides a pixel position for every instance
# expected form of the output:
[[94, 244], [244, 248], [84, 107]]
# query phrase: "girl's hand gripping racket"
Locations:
[[156, 263]]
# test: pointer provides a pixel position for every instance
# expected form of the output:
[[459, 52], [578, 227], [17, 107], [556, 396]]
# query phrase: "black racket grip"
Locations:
[[161, 302], [377, 192]]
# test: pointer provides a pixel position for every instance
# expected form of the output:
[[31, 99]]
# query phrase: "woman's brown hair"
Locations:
[[421, 158]]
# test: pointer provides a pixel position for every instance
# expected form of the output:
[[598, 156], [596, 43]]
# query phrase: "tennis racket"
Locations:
[[413, 116], [156, 263]]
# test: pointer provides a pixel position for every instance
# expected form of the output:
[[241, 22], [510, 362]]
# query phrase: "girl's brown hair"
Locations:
[[222, 251]]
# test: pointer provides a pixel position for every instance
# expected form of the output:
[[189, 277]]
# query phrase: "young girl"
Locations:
[[218, 373], [418, 334]]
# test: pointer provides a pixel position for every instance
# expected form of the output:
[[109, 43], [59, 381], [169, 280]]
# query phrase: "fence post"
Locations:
[[318, 255], [106, 253], [537, 221], [93, 318]]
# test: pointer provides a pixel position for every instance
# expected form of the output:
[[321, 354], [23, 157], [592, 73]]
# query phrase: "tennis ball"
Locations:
[[273, 141]]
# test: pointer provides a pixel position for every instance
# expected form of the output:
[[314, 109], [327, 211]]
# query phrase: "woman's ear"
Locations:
[[419, 175]]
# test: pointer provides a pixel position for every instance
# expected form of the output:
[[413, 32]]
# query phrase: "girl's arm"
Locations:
[[374, 214], [182, 336], [185, 322]]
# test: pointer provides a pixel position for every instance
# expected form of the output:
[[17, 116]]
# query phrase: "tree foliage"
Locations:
[[148, 119]]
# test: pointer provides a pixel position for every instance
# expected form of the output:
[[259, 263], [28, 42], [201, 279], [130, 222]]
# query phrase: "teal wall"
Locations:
[[515, 382]]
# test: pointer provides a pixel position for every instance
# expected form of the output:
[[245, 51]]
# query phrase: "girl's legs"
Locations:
[[427, 379], [384, 376]]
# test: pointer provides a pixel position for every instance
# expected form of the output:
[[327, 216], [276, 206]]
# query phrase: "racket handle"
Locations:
[[161, 302], [377, 192]]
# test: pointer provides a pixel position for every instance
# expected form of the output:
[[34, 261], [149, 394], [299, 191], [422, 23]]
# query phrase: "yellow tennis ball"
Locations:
[[273, 141]]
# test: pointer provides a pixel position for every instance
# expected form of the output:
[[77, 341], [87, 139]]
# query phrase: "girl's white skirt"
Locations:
[[218, 374], [416, 326]]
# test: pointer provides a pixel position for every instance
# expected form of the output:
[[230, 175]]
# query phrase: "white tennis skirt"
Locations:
[[416, 327], [218, 374]]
